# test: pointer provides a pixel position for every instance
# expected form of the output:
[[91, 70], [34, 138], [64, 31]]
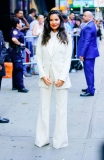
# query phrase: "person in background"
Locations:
[[53, 53], [72, 19], [76, 31], [77, 26], [68, 29], [29, 41], [2, 68], [99, 34], [38, 29], [29, 32], [31, 15], [16, 49], [88, 52], [45, 14], [66, 24], [25, 27], [82, 21]]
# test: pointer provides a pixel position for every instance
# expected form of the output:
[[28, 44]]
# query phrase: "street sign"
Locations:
[[83, 3]]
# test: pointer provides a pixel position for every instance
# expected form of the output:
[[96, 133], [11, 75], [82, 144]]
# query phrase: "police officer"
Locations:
[[16, 49], [2, 68], [25, 26]]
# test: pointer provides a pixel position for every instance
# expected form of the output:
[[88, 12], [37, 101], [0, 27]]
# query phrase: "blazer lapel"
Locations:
[[48, 49], [55, 47]]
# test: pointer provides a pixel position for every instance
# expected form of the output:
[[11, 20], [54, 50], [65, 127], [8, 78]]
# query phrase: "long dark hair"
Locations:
[[62, 36]]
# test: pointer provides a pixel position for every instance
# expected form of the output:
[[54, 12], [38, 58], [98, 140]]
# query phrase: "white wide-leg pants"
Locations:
[[60, 137]]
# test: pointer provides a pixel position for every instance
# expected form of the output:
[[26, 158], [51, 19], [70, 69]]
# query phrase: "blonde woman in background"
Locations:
[[38, 29]]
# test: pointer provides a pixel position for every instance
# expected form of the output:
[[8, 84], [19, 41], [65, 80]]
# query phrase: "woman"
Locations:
[[76, 32], [98, 27], [17, 47], [53, 53], [77, 27], [38, 29]]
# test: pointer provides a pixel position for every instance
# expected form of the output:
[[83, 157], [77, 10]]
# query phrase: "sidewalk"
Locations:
[[85, 120]]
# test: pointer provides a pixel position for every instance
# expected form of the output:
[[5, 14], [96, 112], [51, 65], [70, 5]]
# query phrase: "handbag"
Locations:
[[78, 65]]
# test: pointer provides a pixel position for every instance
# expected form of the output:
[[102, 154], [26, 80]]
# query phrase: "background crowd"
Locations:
[[32, 27]]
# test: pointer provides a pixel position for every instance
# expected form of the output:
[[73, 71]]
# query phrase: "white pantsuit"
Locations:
[[53, 63]]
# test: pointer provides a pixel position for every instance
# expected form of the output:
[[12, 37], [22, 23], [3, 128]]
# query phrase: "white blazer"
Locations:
[[59, 61]]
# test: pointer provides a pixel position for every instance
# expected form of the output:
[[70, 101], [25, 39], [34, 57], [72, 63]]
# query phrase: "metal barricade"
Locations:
[[28, 37], [75, 45], [28, 42], [74, 60]]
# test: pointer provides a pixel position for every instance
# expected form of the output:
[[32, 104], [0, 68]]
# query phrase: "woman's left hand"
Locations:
[[59, 83]]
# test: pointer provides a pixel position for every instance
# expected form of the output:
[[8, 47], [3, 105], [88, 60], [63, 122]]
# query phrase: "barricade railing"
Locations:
[[75, 45], [28, 40]]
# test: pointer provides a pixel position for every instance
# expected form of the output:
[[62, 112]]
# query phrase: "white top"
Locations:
[[39, 30], [29, 32], [51, 42]]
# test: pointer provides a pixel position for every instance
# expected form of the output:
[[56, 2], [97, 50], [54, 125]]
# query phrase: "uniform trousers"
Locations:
[[60, 136], [17, 76], [89, 74]]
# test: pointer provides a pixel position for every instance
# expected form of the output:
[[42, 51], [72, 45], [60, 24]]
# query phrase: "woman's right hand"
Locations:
[[47, 80], [0, 67], [21, 44]]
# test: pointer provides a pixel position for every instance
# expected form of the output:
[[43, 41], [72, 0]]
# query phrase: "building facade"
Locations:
[[7, 7], [25, 5]]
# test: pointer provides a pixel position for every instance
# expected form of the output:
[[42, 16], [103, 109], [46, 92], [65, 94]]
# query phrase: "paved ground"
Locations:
[[85, 120]]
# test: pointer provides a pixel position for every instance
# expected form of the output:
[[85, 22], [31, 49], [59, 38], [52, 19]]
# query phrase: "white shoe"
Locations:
[[23, 76]]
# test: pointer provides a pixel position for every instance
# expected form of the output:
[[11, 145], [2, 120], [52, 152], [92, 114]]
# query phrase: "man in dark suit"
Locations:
[[2, 68], [88, 51], [31, 15]]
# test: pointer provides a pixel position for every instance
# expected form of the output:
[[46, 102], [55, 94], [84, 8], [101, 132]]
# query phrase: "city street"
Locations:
[[85, 120]]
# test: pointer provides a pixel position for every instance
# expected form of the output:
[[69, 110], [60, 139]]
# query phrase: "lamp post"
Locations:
[[81, 7], [59, 3]]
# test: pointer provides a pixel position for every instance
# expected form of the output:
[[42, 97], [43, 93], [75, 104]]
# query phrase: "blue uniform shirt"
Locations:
[[16, 33]]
